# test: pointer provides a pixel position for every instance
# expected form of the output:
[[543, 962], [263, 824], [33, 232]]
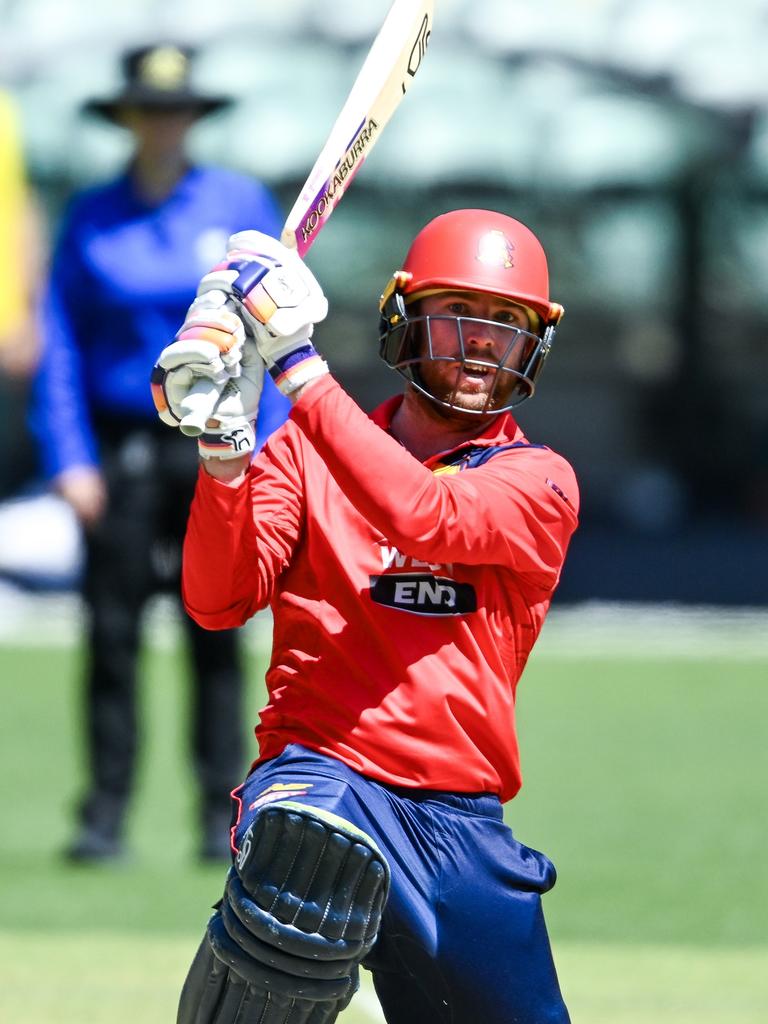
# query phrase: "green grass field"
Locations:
[[645, 781]]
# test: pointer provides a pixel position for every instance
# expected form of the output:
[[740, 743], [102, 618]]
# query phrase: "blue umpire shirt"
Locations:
[[122, 277]]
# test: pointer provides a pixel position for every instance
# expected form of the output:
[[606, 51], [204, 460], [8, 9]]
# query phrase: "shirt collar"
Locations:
[[503, 429]]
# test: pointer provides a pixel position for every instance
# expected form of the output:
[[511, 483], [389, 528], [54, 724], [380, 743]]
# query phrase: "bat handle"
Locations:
[[198, 407]]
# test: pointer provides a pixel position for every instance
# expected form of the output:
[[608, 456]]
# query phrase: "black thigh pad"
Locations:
[[301, 909]]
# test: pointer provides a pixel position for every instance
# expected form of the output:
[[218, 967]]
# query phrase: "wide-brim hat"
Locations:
[[157, 77]]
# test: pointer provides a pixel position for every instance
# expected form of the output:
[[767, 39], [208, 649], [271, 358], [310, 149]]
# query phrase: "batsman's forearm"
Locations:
[[219, 549], [241, 534]]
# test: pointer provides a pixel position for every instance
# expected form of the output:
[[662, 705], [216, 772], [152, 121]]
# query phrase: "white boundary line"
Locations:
[[589, 630], [605, 630]]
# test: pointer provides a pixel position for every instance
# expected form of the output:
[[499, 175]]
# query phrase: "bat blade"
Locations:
[[393, 60]]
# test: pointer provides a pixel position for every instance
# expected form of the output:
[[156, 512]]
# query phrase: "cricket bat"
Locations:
[[392, 62]]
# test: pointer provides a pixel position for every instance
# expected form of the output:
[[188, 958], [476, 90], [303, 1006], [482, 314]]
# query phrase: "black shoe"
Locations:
[[94, 846], [215, 847], [99, 834]]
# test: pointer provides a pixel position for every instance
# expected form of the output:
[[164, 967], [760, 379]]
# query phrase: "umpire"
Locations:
[[124, 270]]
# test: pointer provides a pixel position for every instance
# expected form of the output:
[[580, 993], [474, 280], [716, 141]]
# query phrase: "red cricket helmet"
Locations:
[[478, 250], [473, 251]]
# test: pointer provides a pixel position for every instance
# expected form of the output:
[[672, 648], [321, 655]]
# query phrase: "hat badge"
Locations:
[[495, 250], [164, 68]]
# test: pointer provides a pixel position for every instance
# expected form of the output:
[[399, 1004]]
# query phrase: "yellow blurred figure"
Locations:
[[13, 194], [20, 250]]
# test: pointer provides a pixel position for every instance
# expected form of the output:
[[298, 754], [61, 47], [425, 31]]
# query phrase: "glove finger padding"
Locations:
[[280, 302], [179, 368], [211, 353], [212, 318], [236, 410], [278, 288], [208, 347]]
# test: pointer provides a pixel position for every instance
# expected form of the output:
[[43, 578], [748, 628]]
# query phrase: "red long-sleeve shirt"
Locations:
[[406, 596]]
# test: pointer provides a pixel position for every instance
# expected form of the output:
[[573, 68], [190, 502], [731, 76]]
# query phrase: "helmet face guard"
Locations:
[[475, 251], [406, 345]]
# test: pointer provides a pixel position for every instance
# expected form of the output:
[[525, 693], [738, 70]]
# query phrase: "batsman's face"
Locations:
[[472, 335]]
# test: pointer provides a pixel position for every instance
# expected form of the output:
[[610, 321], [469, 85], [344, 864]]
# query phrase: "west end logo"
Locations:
[[495, 250], [423, 594], [418, 588]]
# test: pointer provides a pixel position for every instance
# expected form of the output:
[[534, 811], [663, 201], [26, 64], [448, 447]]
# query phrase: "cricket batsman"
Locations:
[[409, 558]]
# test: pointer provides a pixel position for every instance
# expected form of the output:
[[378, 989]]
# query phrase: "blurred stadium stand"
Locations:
[[631, 134]]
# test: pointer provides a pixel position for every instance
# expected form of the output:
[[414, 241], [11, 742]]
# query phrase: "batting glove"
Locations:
[[211, 364], [280, 301]]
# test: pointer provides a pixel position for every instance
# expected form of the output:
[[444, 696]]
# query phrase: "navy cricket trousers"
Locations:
[[463, 937]]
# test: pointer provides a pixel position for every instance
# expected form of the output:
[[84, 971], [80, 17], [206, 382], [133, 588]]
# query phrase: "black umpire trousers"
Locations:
[[134, 553]]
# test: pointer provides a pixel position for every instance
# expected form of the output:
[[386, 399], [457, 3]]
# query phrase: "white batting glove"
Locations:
[[211, 357], [280, 302]]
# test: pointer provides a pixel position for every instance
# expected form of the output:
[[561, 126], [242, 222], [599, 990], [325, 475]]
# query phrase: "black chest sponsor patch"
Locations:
[[423, 594]]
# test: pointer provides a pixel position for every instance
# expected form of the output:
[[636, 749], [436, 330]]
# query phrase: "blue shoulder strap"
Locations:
[[470, 458]]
